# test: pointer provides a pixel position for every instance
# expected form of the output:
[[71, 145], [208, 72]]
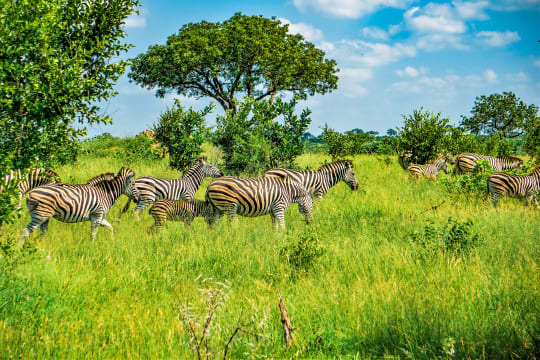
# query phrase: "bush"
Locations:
[[252, 140], [473, 183], [455, 238], [305, 253], [182, 132], [423, 134], [101, 145], [136, 149]]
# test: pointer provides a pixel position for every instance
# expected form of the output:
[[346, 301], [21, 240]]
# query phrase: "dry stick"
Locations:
[[286, 322], [433, 207]]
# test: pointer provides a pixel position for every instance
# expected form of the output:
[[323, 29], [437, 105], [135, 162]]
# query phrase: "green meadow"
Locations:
[[370, 291]]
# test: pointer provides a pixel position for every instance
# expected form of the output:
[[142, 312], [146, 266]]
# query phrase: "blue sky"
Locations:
[[394, 56]]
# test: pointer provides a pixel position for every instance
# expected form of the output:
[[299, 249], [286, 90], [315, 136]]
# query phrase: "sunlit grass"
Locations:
[[368, 296]]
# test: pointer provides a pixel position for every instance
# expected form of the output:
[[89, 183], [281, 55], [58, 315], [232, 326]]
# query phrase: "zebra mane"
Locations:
[[536, 170], [336, 164], [509, 158], [96, 180], [194, 167]]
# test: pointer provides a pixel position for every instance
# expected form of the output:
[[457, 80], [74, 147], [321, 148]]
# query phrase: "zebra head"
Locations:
[[201, 166], [305, 203], [129, 188], [350, 178]]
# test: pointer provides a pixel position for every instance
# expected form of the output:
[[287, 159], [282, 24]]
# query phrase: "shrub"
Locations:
[[136, 149], [473, 183], [303, 254], [253, 140], [182, 132], [455, 238], [100, 145]]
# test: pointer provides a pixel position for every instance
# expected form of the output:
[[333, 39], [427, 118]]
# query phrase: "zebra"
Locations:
[[183, 210], [429, 170], [526, 187], [152, 188], [318, 182], [466, 162], [258, 196], [26, 182], [76, 203]]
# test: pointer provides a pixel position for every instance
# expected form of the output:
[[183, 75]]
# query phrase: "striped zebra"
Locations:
[[526, 187], [318, 182], [429, 170], [466, 162], [32, 179], [258, 196], [152, 188], [180, 210], [75, 203]]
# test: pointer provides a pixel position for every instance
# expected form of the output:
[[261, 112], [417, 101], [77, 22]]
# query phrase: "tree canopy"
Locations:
[[55, 64], [243, 56], [503, 114]]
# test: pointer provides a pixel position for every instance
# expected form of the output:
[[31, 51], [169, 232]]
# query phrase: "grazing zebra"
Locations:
[[466, 162], [405, 158], [526, 187], [34, 178], [182, 210], [76, 203], [318, 182], [152, 188], [429, 170], [258, 196]]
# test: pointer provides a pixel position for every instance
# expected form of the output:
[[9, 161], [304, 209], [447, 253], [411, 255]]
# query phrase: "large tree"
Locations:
[[244, 56], [503, 114], [57, 59]]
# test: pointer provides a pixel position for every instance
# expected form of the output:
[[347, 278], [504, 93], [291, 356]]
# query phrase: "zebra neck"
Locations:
[[195, 180], [331, 178]]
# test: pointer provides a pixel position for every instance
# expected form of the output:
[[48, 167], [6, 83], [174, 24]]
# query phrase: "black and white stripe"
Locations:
[[258, 196], [180, 210], [152, 188], [27, 181], [429, 170], [526, 187], [75, 203], [466, 162], [318, 182]]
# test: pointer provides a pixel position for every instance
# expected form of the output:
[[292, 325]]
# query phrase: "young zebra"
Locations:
[[258, 196], [76, 203], [526, 187], [180, 210], [466, 162], [152, 188], [34, 178], [318, 182], [429, 170]]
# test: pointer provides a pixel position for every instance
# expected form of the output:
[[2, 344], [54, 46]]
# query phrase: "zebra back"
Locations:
[[466, 162], [310, 179], [521, 186]]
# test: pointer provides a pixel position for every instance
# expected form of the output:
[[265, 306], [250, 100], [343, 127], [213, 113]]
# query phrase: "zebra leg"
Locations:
[[126, 207], [34, 224], [44, 227], [494, 200], [104, 223], [143, 204], [278, 218]]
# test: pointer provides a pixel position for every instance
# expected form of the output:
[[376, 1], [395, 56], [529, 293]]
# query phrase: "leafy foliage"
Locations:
[[303, 254], [136, 149], [253, 140], [455, 238], [249, 55], [8, 194], [473, 183], [423, 134], [502, 114], [182, 132], [356, 142], [532, 139]]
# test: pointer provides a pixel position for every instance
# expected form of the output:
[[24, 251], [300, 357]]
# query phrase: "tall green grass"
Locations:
[[368, 296]]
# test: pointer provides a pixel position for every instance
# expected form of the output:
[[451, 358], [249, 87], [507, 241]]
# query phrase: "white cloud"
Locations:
[[409, 71], [351, 79], [536, 62], [434, 18], [490, 76], [375, 33], [518, 77], [135, 21], [498, 38], [434, 42], [514, 5], [471, 10], [309, 32], [349, 8], [370, 54]]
